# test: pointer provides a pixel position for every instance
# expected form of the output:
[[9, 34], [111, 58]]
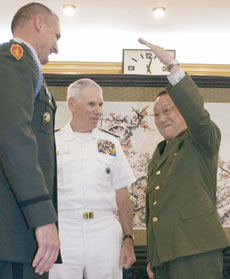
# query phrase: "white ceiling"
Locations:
[[199, 30]]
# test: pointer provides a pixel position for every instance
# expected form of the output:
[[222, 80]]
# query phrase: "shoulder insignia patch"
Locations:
[[17, 51], [109, 132]]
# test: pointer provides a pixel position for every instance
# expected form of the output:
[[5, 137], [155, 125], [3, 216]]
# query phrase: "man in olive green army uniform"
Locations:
[[29, 243], [184, 234]]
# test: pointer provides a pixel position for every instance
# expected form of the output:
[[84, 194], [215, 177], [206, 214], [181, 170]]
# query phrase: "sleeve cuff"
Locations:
[[176, 77], [40, 214]]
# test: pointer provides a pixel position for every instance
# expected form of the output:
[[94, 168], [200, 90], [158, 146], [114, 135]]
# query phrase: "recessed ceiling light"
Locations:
[[159, 12], [69, 9]]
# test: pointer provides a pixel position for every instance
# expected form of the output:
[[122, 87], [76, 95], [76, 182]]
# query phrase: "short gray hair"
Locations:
[[74, 90]]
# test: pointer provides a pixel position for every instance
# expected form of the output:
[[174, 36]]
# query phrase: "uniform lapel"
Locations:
[[166, 149]]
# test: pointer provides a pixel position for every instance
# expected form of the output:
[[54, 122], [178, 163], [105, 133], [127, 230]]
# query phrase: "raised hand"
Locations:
[[162, 55]]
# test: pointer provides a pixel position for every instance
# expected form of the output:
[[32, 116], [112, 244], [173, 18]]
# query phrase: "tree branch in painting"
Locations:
[[223, 191], [125, 127]]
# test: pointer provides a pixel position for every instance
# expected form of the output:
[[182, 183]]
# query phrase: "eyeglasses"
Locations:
[[165, 111]]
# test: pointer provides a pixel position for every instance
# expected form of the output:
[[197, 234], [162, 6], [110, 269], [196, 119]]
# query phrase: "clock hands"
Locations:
[[148, 66], [139, 63]]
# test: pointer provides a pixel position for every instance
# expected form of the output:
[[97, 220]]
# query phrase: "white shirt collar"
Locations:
[[69, 134]]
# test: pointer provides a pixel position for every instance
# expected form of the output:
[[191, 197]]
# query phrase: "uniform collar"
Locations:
[[172, 142], [69, 133], [164, 149], [31, 48]]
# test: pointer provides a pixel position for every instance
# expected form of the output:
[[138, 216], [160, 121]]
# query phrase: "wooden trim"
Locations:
[[82, 68], [70, 67], [135, 80], [207, 69]]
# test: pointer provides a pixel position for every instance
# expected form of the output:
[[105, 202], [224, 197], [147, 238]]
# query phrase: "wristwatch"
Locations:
[[128, 236], [171, 65]]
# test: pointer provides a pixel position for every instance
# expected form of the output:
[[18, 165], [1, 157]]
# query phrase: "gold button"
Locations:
[[157, 187], [155, 219], [50, 101], [158, 172], [175, 154], [155, 203]]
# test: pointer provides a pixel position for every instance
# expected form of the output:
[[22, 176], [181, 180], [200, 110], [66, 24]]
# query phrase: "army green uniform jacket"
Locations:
[[27, 154], [181, 194]]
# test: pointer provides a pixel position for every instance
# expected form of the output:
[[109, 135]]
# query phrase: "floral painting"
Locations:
[[134, 123]]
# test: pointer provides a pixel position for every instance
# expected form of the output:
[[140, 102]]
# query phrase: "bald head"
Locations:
[[39, 26], [29, 11]]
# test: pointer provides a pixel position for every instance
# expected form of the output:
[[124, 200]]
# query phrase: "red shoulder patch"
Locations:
[[17, 51]]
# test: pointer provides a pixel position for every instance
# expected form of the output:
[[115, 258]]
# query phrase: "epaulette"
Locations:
[[57, 130], [109, 132]]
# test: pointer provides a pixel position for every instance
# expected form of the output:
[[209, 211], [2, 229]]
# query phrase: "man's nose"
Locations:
[[98, 110], [55, 49], [162, 117]]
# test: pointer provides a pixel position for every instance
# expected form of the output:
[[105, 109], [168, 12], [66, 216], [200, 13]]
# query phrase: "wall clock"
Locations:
[[143, 61]]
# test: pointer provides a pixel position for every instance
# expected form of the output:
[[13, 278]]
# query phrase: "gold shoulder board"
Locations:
[[109, 132]]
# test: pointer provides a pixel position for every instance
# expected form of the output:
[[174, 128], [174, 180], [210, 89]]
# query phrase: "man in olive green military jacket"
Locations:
[[184, 234], [29, 242]]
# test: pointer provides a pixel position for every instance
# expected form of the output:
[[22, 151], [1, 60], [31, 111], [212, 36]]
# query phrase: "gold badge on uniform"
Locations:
[[106, 147], [17, 51], [46, 117]]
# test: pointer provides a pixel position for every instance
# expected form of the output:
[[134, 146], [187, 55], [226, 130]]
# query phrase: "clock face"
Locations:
[[143, 61]]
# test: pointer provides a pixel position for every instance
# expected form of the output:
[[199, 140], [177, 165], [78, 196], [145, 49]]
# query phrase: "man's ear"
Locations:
[[72, 104], [38, 21]]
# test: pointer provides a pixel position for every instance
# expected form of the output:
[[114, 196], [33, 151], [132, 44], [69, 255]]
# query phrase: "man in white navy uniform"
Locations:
[[93, 175]]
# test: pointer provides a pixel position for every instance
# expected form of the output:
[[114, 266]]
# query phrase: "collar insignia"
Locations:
[[46, 117], [17, 51]]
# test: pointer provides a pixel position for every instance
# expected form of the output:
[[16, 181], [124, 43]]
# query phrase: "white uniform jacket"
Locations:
[[90, 167]]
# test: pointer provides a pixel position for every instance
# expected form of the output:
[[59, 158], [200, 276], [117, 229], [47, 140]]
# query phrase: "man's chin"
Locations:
[[165, 135], [45, 61], [95, 122], [93, 126]]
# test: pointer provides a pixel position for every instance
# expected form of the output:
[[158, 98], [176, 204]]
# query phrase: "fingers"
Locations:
[[149, 271], [161, 54], [128, 262], [122, 260], [127, 257], [44, 259], [48, 248], [148, 44], [142, 41]]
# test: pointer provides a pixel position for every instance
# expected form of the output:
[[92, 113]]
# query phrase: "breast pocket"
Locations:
[[66, 167], [105, 167], [43, 118], [177, 163], [47, 120]]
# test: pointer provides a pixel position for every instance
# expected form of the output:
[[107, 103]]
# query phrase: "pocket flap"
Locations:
[[196, 209]]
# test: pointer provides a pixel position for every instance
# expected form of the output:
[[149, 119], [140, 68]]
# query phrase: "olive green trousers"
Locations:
[[202, 266]]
